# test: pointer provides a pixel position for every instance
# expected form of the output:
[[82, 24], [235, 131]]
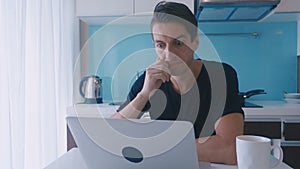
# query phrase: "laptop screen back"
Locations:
[[134, 144]]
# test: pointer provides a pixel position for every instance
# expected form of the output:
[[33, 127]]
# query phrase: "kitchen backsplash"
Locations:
[[267, 61]]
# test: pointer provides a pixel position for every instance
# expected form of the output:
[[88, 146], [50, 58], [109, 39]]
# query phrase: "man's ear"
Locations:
[[196, 42]]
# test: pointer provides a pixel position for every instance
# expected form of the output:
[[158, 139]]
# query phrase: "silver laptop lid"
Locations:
[[134, 144]]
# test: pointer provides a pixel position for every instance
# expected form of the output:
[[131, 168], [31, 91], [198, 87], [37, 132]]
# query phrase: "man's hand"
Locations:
[[156, 74]]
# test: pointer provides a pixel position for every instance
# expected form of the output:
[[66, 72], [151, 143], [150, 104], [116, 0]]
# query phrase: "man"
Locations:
[[179, 87]]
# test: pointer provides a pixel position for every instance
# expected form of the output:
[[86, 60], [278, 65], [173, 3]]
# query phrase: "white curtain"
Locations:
[[36, 74]]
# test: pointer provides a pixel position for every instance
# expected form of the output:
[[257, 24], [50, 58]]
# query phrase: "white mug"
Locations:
[[253, 152]]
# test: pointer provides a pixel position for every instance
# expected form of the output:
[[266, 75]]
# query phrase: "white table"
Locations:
[[73, 160]]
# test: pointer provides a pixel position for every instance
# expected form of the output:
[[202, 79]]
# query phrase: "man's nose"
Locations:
[[169, 54]]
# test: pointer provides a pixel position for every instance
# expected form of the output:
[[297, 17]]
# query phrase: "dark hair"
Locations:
[[175, 12]]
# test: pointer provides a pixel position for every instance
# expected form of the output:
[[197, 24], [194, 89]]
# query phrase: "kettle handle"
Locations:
[[81, 85]]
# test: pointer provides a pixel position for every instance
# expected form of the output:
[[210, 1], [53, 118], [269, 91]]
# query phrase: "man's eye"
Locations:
[[178, 43], [159, 45]]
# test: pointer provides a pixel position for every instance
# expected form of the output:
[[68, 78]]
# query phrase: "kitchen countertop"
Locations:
[[273, 108], [95, 110]]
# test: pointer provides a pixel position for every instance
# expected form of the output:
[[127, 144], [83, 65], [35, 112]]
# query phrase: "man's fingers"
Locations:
[[160, 65], [157, 74]]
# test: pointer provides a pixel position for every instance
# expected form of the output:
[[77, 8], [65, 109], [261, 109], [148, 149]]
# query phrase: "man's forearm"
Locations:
[[134, 108], [220, 148], [215, 149]]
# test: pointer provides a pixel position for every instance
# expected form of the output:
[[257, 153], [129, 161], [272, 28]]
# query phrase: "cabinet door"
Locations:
[[291, 155], [288, 6], [104, 8], [70, 140], [147, 6], [291, 130], [271, 129]]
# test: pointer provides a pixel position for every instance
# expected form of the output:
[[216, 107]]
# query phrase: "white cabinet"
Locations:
[[147, 6], [86, 8], [286, 11], [104, 7], [288, 6], [279, 121]]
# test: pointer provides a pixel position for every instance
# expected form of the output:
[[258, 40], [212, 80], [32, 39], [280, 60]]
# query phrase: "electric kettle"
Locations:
[[90, 89]]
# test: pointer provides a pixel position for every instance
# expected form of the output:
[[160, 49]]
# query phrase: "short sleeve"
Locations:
[[233, 101], [135, 89]]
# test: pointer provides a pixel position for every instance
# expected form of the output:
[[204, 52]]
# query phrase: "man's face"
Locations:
[[174, 45]]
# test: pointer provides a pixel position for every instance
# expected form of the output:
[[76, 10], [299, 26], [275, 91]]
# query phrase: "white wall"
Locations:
[[298, 53], [298, 42]]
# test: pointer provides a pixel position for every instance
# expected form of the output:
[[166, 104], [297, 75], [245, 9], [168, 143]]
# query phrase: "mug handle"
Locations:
[[81, 84], [280, 156]]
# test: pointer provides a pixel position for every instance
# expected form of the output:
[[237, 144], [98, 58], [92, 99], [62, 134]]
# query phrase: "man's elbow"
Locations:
[[117, 115]]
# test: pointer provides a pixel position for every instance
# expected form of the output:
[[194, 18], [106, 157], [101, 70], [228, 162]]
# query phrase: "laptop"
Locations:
[[134, 144]]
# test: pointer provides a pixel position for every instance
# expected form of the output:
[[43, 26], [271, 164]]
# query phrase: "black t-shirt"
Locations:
[[214, 95]]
